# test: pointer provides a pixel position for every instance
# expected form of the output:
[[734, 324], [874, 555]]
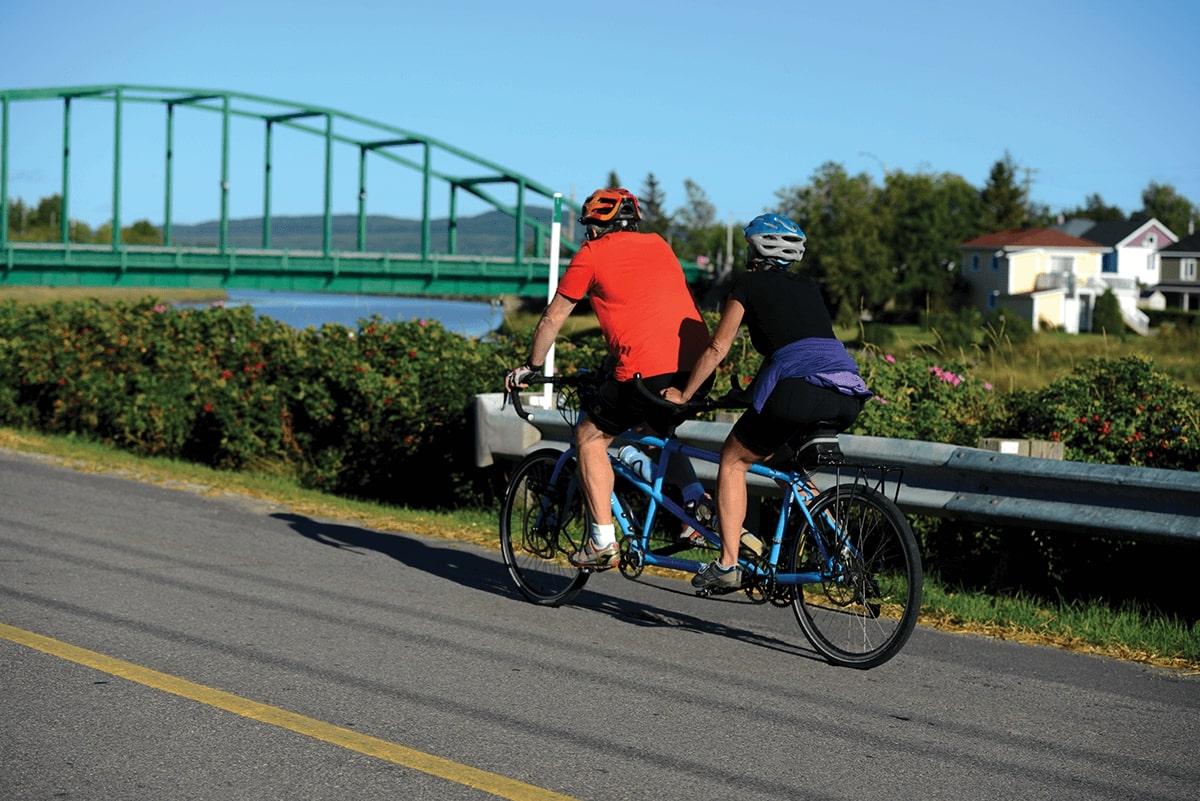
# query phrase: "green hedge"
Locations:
[[384, 410]]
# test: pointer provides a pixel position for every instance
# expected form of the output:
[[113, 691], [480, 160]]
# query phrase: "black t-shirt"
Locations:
[[781, 307]]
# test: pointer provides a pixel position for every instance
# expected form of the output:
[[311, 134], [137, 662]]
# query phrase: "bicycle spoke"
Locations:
[[542, 522], [867, 603]]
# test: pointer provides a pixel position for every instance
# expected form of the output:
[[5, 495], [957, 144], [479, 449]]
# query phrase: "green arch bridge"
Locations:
[[435, 267]]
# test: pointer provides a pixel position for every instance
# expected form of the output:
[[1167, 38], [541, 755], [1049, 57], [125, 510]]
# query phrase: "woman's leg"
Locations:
[[732, 496]]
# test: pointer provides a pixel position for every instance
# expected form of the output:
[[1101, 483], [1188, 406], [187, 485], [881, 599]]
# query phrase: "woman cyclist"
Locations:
[[806, 377]]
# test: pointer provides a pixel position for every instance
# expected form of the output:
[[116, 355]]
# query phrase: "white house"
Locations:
[[1135, 247], [1050, 278]]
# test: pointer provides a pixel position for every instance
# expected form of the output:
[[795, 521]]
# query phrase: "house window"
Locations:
[[1063, 264], [1187, 270], [974, 262], [995, 262], [1151, 240]]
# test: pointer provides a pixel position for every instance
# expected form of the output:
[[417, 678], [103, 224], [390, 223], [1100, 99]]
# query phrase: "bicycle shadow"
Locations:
[[477, 572], [459, 565], [647, 615]]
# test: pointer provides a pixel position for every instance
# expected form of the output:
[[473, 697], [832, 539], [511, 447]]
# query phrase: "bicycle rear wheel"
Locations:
[[867, 603], [542, 522]]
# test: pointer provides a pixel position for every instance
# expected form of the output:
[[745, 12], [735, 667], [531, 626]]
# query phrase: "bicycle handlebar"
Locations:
[[735, 398], [515, 395]]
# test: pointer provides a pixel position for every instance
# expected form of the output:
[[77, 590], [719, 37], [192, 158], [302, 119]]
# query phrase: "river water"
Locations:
[[303, 309]]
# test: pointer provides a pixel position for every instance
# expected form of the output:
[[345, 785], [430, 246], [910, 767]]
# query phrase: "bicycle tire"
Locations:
[[541, 524], [866, 607]]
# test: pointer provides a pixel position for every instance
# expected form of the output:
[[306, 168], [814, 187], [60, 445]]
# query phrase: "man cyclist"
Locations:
[[652, 328], [806, 376]]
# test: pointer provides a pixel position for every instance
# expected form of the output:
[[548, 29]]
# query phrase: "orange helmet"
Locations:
[[611, 208]]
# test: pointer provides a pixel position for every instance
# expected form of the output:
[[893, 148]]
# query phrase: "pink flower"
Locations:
[[987, 385], [160, 308], [889, 358], [880, 399]]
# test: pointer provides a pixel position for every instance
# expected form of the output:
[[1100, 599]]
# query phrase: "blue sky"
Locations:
[[745, 99]]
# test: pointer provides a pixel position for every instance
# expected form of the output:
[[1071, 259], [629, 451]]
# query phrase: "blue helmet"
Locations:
[[774, 238]]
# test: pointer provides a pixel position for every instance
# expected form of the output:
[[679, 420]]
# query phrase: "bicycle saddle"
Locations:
[[816, 447]]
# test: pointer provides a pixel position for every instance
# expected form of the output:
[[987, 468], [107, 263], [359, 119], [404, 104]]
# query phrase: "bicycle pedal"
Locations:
[[710, 591]]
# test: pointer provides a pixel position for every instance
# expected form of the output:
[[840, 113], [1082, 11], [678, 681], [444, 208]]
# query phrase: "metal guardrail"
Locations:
[[1132, 503]]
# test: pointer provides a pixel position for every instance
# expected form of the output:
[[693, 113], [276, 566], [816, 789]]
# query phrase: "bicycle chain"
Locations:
[[632, 564]]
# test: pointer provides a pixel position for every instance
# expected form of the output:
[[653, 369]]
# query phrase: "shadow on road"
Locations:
[[478, 572], [454, 564]]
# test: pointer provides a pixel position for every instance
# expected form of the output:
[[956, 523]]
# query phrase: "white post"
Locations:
[[552, 288]]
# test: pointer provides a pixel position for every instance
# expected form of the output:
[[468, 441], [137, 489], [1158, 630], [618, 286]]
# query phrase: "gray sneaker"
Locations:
[[713, 577], [598, 558]]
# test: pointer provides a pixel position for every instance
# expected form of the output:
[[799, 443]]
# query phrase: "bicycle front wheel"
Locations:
[[542, 522], [867, 602]]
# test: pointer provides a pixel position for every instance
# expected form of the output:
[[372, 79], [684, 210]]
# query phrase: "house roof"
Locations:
[[1111, 232], [1076, 226], [1018, 238], [1189, 244], [1114, 232]]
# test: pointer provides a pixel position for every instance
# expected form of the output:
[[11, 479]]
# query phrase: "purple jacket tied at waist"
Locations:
[[818, 360]]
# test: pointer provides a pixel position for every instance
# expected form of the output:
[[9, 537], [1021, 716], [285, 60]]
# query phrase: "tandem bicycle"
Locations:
[[843, 557]]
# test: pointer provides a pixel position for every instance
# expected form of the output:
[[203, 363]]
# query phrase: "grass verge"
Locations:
[[1129, 634]]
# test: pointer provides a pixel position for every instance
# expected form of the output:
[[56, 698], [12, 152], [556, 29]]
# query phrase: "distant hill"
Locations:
[[488, 234]]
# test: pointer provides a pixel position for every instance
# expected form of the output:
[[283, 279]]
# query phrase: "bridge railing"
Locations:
[[1132, 503], [367, 140]]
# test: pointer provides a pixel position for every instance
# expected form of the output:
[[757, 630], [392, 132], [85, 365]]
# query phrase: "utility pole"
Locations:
[[1027, 185]]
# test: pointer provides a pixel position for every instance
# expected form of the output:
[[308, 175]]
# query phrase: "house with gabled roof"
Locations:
[[1135, 245], [1048, 277], [1179, 281]]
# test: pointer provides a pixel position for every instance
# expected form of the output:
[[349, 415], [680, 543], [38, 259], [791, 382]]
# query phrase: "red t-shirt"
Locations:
[[642, 301]]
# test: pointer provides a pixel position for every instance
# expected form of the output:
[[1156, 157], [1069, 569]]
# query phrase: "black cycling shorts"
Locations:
[[618, 405], [794, 408]]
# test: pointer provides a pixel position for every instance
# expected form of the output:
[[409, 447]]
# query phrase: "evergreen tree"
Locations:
[[1003, 199], [655, 218], [1106, 316]]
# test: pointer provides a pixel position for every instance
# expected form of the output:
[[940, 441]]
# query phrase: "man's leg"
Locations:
[[595, 473], [595, 470]]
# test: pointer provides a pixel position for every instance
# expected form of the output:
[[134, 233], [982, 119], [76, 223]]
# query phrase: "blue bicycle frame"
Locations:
[[797, 494]]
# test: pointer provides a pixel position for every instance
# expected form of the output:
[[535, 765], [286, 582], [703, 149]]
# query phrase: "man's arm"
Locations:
[[555, 314]]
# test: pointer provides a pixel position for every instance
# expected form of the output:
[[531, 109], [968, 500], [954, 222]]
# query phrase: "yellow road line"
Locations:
[[492, 783]]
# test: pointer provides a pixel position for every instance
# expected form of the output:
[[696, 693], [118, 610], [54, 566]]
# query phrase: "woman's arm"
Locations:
[[714, 354]]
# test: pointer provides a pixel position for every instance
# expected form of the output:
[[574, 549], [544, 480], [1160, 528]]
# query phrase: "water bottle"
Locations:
[[637, 461]]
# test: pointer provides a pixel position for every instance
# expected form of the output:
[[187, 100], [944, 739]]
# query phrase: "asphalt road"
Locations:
[[159, 644]]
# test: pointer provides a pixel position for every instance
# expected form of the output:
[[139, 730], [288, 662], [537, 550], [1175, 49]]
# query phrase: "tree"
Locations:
[[613, 181], [922, 220], [1163, 203], [655, 218], [1003, 199], [1106, 316], [695, 233], [1094, 208], [845, 253], [142, 232], [18, 216]]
